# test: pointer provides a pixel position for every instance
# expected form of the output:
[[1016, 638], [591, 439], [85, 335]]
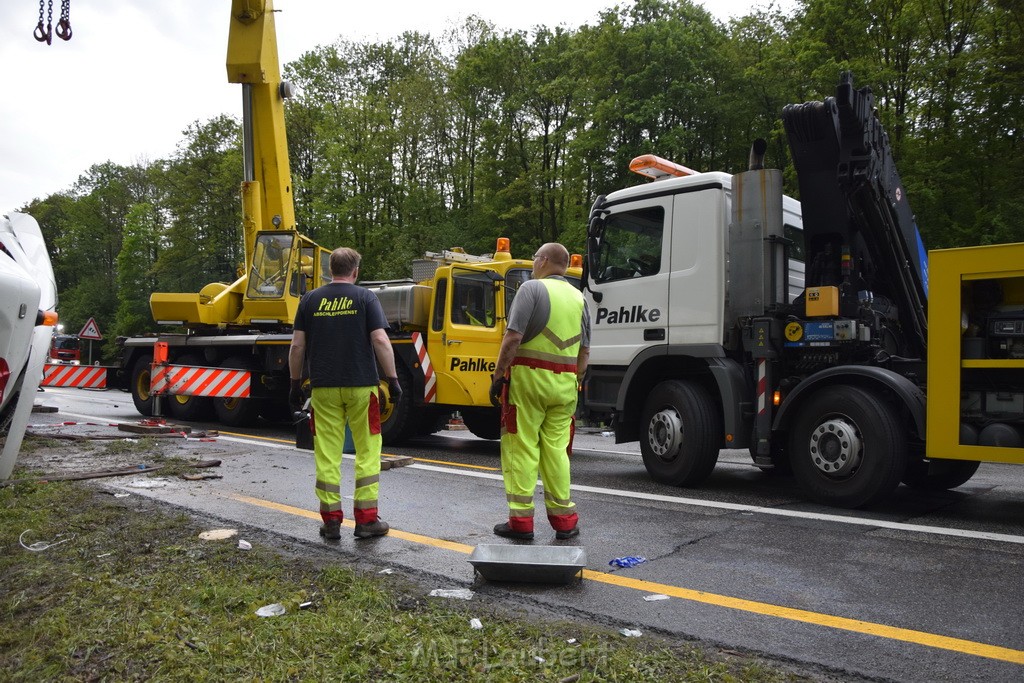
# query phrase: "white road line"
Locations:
[[734, 507]]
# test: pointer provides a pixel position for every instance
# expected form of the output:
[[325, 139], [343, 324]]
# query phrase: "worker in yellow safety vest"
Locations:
[[344, 330], [542, 358]]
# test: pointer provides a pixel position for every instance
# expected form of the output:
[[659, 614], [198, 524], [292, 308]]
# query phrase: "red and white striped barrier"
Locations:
[[74, 376], [429, 380], [189, 380]]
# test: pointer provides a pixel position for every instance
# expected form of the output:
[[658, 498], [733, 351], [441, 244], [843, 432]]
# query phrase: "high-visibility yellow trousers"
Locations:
[[332, 407], [537, 424]]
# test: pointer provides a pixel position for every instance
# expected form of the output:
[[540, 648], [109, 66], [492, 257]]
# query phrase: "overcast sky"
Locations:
[[137, 73]]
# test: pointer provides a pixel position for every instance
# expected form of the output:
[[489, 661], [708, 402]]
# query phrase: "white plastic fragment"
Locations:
[[389, 570], [217, 534], [459, 593], [538, 659], [655, 596], [121, 495], [571, 641], [244, 544], [275, 610], [40, 546], [475, 624], [631, 632]]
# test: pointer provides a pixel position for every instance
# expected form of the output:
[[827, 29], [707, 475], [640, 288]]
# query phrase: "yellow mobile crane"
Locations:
[[244, 325]]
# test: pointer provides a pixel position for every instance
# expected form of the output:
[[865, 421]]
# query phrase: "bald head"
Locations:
[[554, 261]]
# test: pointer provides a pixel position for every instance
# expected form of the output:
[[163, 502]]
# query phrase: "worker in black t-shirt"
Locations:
[[341, 328]]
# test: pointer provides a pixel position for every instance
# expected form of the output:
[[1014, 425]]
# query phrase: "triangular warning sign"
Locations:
[[91, 330]]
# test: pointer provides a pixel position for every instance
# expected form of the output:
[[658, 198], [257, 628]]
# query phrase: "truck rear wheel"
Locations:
[[190, 408], [681, 434], [141, 396], [484, 423], [236, 412], [939, 474], [397, 421], [848, 447]]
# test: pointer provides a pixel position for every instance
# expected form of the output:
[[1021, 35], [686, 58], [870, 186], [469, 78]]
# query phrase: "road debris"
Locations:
[[655, 596], [457, 593], [244, 544], [628, 561], [40, 546], [275, 610], [217, 534]]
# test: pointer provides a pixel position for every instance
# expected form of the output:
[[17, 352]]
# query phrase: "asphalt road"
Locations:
[[926, 587]]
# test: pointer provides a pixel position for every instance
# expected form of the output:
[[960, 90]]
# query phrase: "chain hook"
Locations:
[[64, 29], [64, 25], [41, 34]]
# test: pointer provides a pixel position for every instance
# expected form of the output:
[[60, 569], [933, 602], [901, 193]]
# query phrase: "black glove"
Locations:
[[496, 386], [395, 389], [296, 397]]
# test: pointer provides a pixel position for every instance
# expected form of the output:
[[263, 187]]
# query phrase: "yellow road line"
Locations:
[[817, 618], [258, 438], [458, 464], [827, 620], [308, 514], [418, 459]]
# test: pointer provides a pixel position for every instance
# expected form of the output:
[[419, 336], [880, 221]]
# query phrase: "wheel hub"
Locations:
[[835, 448], [665, 433]]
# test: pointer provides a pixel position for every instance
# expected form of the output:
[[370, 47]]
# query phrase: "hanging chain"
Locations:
[[64, 25], [44, 34], [44, 31]]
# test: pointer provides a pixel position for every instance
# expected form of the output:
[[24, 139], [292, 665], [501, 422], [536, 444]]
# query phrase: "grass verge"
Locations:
[[128, 591]]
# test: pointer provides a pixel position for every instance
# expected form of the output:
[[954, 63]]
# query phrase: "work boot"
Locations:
[[567, 534], [378, 528], [505, 530], [331, 530]]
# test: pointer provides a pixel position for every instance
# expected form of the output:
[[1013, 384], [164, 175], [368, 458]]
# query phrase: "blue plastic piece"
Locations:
[[628, 561]]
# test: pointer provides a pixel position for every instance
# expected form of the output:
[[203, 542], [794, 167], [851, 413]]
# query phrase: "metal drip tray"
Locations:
[[529, 563]]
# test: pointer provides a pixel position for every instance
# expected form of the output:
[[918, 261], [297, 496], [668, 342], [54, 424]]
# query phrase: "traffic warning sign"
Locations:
[[91, 330]]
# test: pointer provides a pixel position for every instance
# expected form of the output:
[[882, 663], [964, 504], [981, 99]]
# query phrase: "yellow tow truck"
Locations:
[[447, 322]]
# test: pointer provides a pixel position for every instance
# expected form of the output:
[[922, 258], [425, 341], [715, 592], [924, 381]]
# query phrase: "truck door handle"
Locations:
[[454, 341], [657, 334]]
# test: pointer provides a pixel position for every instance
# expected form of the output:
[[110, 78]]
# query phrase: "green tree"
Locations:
[[135, 262], [200, 194]]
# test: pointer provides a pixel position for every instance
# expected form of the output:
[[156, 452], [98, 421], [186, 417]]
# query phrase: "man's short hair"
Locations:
[[344, 261], [556, 253]]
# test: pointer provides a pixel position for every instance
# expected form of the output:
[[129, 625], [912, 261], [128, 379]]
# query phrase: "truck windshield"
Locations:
[[631, 245], [270, 266]]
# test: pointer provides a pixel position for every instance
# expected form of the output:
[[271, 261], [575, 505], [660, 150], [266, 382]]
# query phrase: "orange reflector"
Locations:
[[728, 438], [776, 398], [657, 168], [160, 352], [503, 244]]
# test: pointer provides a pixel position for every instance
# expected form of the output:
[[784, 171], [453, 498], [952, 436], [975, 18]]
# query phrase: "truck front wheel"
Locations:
[[236, 412], [680, 433], [484, 423], [397, 422], [141, 396], [847, 447], [190, 408]]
